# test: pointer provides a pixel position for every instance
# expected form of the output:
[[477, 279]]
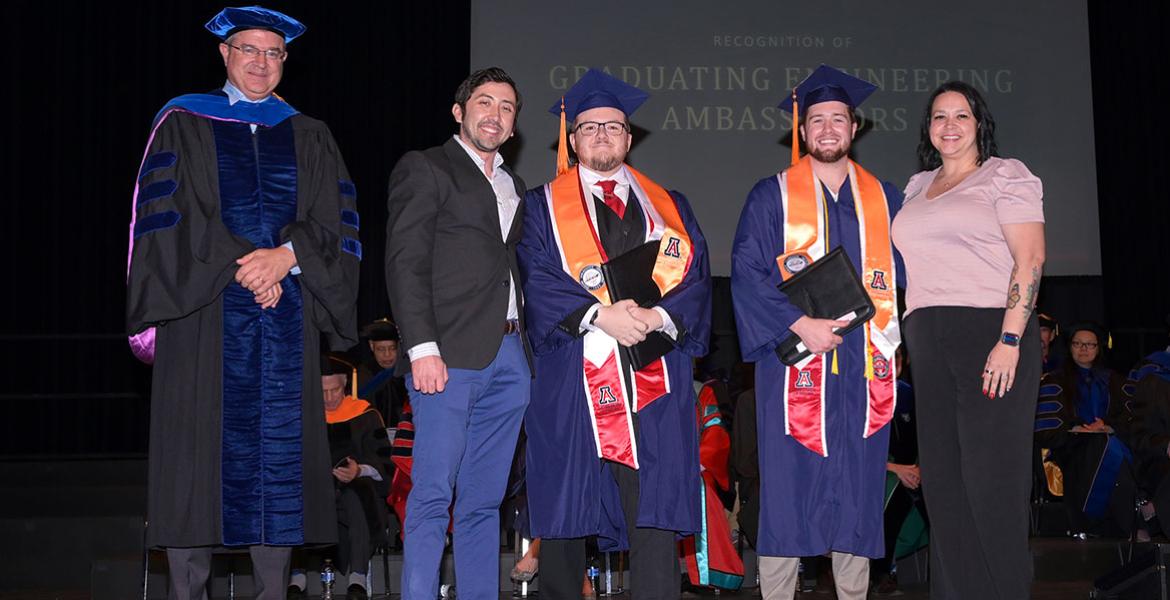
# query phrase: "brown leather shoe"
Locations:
[[887, 585]]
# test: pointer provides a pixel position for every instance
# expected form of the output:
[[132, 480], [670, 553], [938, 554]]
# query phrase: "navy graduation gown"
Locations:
[[571, 491], [809, 504]]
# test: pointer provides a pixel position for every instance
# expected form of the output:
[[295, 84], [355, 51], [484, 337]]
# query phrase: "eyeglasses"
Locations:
[[1085, 345], [254, 52], [590, 128]]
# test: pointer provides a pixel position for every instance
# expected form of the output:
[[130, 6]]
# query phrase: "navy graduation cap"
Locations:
[[233, 19], [596, 89], [826, 84]]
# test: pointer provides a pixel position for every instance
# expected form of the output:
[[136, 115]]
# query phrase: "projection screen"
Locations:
[[716, 71]]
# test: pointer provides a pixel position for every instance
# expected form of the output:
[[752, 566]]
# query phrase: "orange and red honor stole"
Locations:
[[581, 257], [806, 240]]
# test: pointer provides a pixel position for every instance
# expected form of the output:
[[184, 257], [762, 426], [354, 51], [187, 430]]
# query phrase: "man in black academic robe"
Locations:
[[360, 451], [243, 253], [1149, 385], [378, 383]]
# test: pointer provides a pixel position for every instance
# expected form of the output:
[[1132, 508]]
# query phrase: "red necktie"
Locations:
[[611, 200]]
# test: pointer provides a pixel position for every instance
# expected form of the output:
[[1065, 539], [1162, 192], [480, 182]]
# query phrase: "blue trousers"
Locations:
[[464, 440]]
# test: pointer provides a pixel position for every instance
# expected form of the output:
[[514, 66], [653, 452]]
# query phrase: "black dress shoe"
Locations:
[[295, 593], [355, 591]]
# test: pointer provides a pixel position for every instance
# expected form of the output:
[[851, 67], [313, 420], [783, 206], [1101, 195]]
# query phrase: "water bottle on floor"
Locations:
[[327, 577]]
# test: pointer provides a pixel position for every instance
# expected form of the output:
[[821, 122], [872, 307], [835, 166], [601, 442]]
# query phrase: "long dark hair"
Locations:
[[928, 157], [1102, 343]]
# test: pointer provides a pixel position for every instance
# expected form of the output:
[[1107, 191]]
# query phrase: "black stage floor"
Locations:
[[1045, 590], [82, 539]]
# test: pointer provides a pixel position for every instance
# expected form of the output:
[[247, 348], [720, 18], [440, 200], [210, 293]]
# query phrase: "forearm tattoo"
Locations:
[[1013, 292], [1029, 296], [1033, 290]]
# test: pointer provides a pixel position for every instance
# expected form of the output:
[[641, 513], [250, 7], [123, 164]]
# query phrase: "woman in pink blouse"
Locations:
[[971, 232]]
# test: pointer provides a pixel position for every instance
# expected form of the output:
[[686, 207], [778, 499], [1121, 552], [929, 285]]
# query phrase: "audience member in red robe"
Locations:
[[710, 557]]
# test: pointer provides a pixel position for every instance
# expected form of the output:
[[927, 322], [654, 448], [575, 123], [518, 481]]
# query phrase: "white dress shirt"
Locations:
[[507, 201]]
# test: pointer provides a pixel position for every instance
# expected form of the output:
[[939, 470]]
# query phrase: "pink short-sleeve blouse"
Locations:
[[953, 245]]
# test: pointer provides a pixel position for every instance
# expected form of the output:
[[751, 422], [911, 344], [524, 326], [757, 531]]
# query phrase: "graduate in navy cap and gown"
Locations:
[[821, 424], [243, 253], [612, 452]]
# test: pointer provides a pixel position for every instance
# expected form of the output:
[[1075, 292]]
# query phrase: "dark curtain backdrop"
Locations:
[[84, 80], [1130, 90]]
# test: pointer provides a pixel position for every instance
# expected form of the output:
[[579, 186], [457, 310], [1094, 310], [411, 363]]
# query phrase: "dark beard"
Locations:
[[480, 144], [827, 156], [606, 164]]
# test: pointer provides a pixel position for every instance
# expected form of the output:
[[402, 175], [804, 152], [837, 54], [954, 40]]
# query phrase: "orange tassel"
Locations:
[[563, 144], [795, 130]]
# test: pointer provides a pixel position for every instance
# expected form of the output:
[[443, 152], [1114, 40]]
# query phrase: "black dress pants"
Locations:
[[654, 573], [974, 452], [897, 509], [353, 534]]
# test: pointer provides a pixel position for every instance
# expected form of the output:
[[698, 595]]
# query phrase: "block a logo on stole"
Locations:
[[881, 366], [804, 379], [605, 396], [671, 249], [878, 281]]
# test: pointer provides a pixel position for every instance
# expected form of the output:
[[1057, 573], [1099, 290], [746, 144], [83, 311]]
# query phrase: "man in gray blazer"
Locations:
[[451, 274]]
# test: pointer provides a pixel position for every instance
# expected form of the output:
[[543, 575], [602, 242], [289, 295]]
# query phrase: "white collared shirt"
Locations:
[[507, 201], [235, 95], [589, 179]]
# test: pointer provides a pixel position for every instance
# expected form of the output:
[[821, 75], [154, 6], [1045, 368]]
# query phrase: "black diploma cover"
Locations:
[[631, 277], [827, 289]]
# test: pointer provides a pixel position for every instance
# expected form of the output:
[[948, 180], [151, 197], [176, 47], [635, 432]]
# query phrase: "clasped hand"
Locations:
[[261, 272], [1096, 426], [627, 322]]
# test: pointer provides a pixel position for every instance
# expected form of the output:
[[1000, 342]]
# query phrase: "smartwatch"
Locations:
[[1010, 339]]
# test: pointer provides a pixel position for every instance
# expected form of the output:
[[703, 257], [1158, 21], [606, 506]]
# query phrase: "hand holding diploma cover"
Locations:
[[631, 277], [829, 288]]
